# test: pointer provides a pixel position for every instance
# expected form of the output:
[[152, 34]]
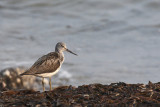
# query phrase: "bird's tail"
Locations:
[[20, 75], [24, 73]]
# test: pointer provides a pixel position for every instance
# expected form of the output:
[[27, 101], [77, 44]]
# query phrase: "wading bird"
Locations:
[[48, 65]]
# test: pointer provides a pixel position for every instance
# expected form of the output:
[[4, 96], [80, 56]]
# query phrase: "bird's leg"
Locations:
[[43, 84], [50, 84]]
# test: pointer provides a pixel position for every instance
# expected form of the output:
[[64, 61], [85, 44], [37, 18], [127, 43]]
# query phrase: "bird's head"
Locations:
[[60, 47]]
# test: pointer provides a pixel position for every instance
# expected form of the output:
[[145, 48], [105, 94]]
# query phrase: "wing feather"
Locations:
[[46, 64]]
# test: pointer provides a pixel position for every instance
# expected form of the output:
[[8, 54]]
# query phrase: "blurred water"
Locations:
[[116, 40]]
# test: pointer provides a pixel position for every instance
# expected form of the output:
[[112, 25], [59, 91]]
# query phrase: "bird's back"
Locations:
[[46, 64]]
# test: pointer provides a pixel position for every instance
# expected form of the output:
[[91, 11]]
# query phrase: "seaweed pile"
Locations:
[[115, 94]]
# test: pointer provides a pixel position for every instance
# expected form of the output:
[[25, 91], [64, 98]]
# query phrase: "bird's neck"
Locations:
[[59, 51], [61, 54]]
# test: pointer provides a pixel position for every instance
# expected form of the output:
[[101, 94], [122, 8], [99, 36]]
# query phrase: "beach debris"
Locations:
[[93, 95]]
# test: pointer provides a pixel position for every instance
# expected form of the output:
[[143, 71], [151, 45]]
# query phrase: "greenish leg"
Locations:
[[43, 84], [50, 84]]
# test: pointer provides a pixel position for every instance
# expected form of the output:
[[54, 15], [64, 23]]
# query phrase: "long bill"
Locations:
[[71, 52]]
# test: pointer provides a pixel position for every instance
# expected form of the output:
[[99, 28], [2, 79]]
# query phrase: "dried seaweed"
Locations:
[[98, 95]]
